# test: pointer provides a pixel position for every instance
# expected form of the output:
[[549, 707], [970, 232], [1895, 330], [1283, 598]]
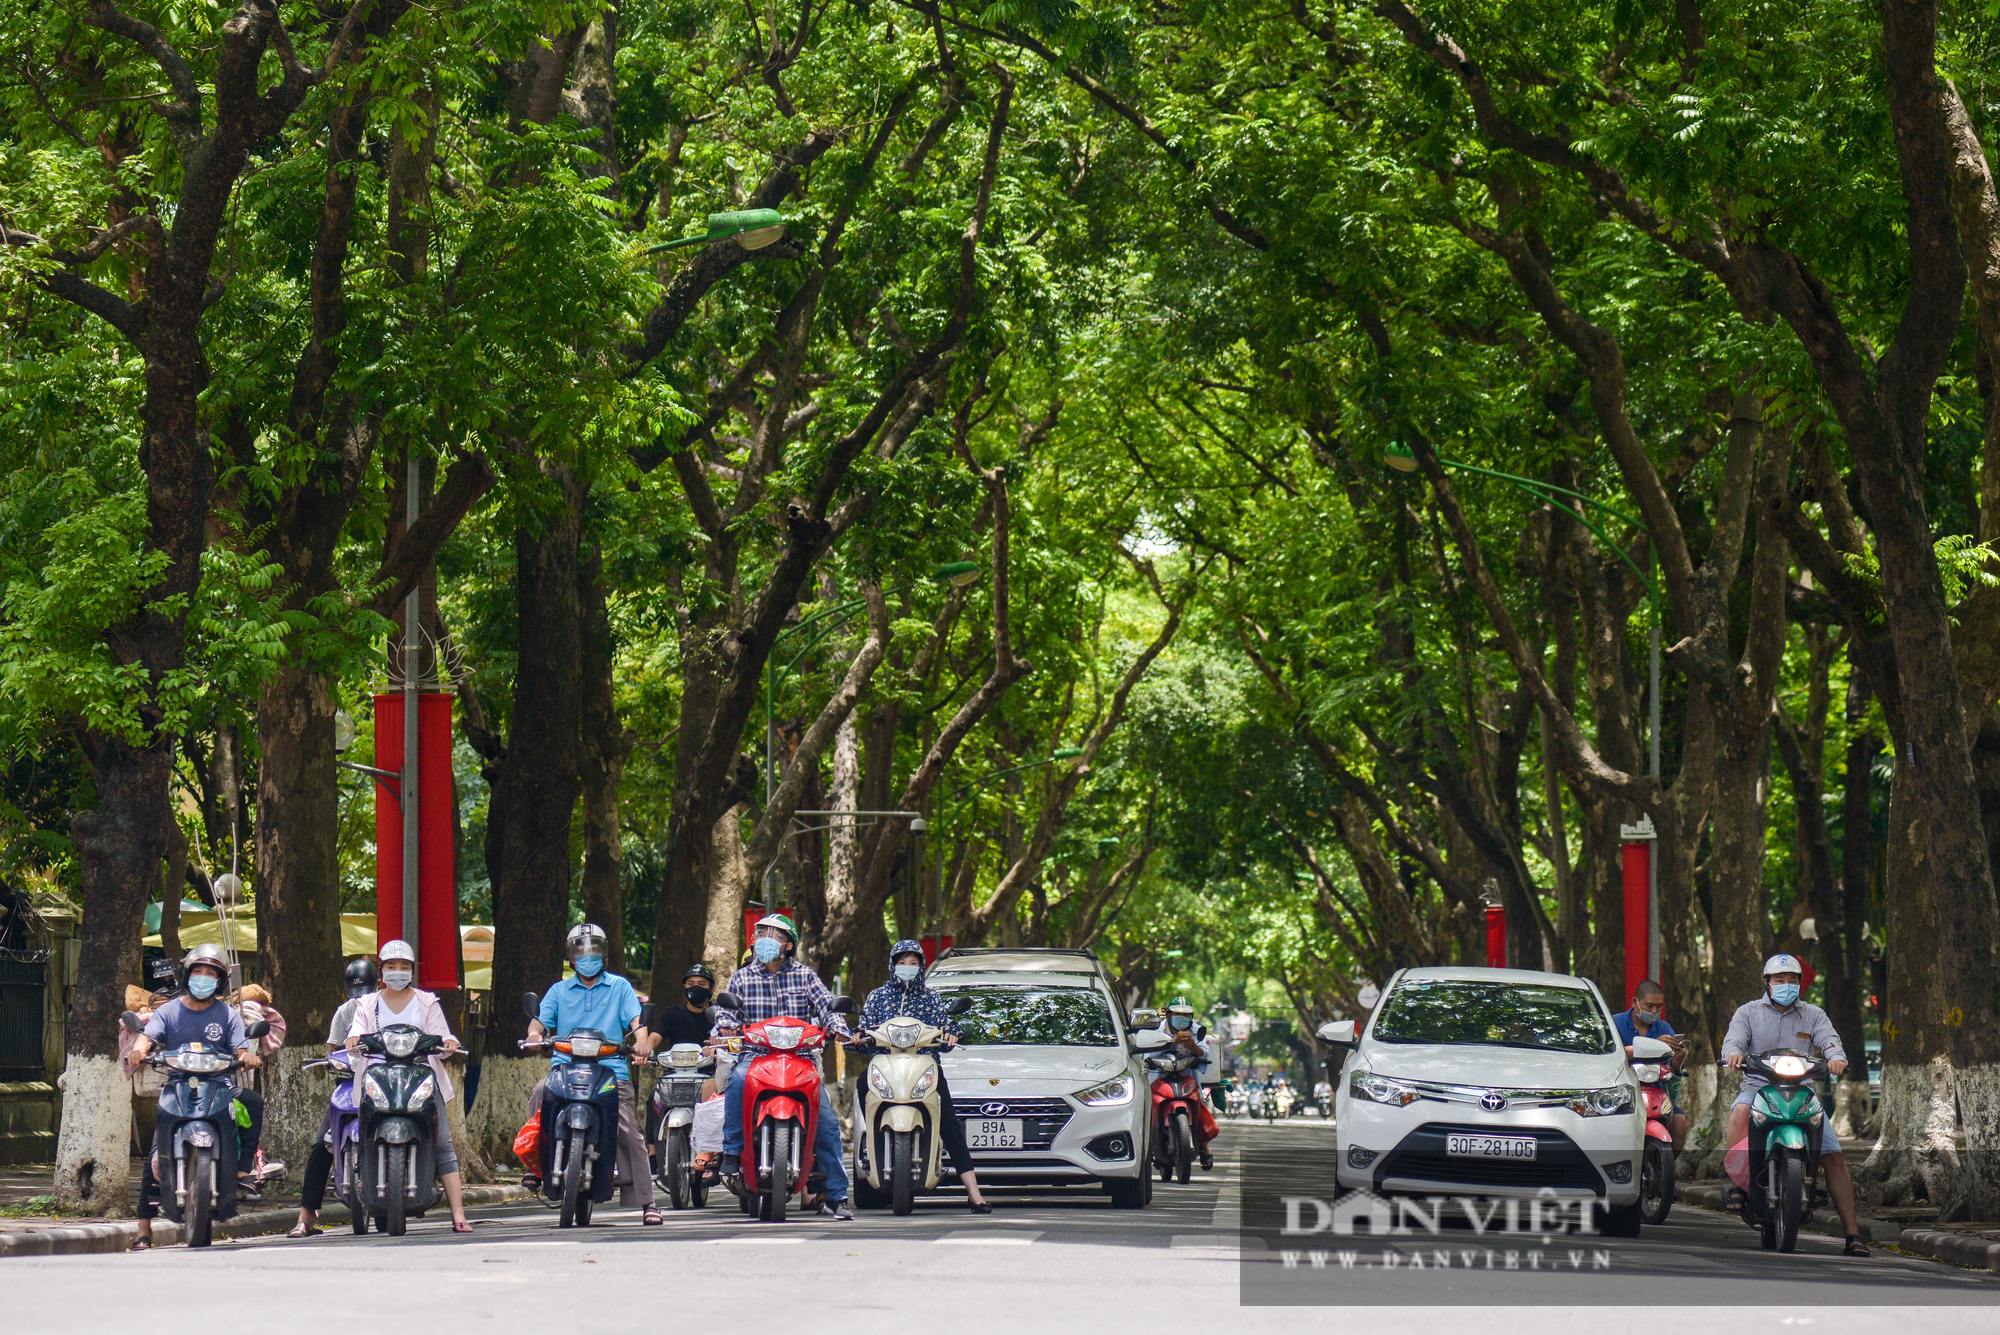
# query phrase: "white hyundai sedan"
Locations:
[[1490, 1083]]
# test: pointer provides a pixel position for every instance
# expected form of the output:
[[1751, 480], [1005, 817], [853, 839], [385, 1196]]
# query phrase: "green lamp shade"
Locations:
[[753, 229], [1400, 459]]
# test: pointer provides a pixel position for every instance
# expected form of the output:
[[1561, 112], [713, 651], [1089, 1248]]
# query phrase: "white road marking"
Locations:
[[990, 1239], [760, 1242]]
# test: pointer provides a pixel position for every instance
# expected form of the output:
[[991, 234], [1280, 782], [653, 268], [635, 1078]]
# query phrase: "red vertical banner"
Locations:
[[437, 878], [1637, 856], [1496, 937], [933, 948]]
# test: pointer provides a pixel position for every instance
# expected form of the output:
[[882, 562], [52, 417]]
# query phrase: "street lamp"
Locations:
[[754, 229], [944, 809], [1400, 459]]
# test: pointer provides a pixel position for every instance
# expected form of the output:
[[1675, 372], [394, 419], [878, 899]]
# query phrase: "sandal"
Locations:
[[652, 1216], [305, 1231], [142, 1244], [461, 1226], [1855, 1247]]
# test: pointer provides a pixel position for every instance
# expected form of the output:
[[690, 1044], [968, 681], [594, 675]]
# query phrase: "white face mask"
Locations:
[[907, 973], [397, 979]]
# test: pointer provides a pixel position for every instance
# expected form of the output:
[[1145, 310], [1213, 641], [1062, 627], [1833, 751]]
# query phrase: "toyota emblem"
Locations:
[[992, 1110], [1492, 1102]]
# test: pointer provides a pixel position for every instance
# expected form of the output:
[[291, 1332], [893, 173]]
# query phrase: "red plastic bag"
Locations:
[[1736, 1163], [528, 1141]]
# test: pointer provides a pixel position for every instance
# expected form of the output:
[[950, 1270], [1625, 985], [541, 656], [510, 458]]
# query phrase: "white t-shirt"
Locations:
[[410, 1014]]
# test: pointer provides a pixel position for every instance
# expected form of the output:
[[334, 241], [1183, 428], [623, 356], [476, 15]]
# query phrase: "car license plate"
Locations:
[[1490, 1147], [993, 1133]]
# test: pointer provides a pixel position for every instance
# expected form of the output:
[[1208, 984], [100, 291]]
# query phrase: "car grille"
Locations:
[[1558, 1162], [1042, 1120]]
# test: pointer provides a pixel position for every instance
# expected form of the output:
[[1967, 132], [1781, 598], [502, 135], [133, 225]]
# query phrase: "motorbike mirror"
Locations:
[[841, 1006], [132, 1022], [1142, 1019], [532, 1004], [727, 1001], [646, 1014], [1339, 1033], [959, 1005], [1149, 1040], [256, 1029], [1650, 1050]]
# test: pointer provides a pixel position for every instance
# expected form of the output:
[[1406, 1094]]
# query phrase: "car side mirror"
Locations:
[[727, 1001], [1650, 1050], [132, 1022], [959, 1005], [1339, 1033], [531, 1005], [841, 1006], [256, 1029], [1149, 1040]]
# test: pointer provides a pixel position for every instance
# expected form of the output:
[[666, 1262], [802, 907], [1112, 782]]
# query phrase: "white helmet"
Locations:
[[585, 936], [397, 950], [1783, 964]]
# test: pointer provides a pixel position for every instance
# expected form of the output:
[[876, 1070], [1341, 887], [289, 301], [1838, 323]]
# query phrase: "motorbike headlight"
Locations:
[[1758, 1115], [197, 1063], [378, 1093], [902, 1035], [1372, 1088], [1789, 1066], [1607, 1102], [878, 1080], [1110, 1094], [422, 1093], [399, 1041], [585, 1049], [684, 1054], [1648, 1075], [925, 1083], [784, 1037]]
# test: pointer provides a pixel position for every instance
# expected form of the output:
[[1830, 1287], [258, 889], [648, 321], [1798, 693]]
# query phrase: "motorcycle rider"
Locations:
[[690, 1022], [1177, 1022], [775, 984], [906, 993], [400, 1002], [359, 978], [1647, 1019], [594, 999], [1779, 1020], [196, 1017]]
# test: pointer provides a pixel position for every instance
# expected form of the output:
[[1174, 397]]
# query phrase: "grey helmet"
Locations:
[[583, 936], [207, 953]]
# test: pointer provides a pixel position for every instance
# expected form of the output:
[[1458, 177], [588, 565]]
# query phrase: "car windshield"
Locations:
[[1074, 1017], [1482, 1012]]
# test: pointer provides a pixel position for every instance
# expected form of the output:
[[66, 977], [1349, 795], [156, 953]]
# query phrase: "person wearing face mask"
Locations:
[[906, 993], [1647, 1019], [592, 998], [775, 984], [689, 1022], [1177, 1022], [1778, 1021]]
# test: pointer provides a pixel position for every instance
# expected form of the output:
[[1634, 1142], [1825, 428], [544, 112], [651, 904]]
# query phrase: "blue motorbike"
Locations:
[[196, 1135], [578, 1152]]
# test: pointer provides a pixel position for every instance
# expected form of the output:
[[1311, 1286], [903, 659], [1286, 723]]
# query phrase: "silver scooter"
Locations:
[[897, 1114]]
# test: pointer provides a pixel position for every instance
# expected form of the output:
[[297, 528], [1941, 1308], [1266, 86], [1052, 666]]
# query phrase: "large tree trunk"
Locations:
[[535, 784], [606, 745], [298, 865]]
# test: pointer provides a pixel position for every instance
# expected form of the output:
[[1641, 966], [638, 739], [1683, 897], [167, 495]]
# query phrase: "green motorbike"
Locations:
[[1786, 1118]]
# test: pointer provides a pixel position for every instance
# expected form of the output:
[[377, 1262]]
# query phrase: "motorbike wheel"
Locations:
[[777, 1199], [359, 1221], [674, 1150], [902, 1172], [571, 1166], [1183, 1149], [1791, 1189], [1656, 1182], [200, 1214], [393, 1177]]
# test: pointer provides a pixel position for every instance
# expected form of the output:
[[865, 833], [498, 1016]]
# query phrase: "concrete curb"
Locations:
[[1819, 1221], [1953, 1247], [73, 1239]]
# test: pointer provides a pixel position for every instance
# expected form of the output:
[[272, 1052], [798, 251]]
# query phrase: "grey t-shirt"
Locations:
[[176, 1024], [336, 1033], [1759, 1026]]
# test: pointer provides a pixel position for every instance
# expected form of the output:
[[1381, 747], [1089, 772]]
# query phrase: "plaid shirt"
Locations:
[[913, 999], [794, 990]]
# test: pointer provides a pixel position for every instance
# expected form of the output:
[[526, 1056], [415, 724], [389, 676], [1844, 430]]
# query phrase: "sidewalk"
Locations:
[[26, 1229]]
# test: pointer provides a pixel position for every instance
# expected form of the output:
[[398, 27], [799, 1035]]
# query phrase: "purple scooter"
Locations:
[[344, 1137]]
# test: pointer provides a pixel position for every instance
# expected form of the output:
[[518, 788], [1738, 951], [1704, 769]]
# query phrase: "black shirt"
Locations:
[[681, 1025]]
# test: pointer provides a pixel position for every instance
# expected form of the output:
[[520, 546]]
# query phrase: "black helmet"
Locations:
[[360, 977], [701, 971]]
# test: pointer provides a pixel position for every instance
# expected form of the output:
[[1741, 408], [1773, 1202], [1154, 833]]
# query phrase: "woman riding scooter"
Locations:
[[907, 994]]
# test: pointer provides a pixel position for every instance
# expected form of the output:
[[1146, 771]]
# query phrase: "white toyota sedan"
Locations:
[[1486, 1083]]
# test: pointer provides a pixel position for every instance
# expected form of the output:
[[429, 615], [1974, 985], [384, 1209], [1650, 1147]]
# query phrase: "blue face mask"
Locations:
[[1784, 993], [1179, 1021], [768, 949], [201, 986], [907, 973], [589, 966]]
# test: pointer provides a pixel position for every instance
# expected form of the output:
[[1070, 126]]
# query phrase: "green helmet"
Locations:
[[1179, 1006], [782, 923]]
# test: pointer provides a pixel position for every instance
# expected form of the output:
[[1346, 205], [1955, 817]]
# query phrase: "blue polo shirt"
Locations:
[[609, 1006], [1627, 1031]]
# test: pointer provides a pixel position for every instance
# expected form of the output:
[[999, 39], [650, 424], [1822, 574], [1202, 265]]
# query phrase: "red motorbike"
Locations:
[[1176, 1111], [1656, 1168], [781, 1094]]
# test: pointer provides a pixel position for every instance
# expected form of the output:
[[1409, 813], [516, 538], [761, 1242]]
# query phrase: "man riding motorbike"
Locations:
[[1647, 1019], [197, 1017], [1178, 1023], [360, 980], [906, 993], [594, 999], [776, 984], [1779, 1020]]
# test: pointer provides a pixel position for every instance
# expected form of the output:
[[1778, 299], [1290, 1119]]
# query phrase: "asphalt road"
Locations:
[[1046, 1263]]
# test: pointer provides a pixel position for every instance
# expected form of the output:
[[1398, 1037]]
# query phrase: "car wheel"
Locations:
[[1619, 1221], [1129, 1193]]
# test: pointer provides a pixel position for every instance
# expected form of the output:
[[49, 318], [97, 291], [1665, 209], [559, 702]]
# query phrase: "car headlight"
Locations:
[[878, 1080], [1608, 1102], [1112, 1092], [925, 1083], [400, 1041], [422, 1093], [378, 1094], [1789, 1066], [1372, 1088], [784, 1037]]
